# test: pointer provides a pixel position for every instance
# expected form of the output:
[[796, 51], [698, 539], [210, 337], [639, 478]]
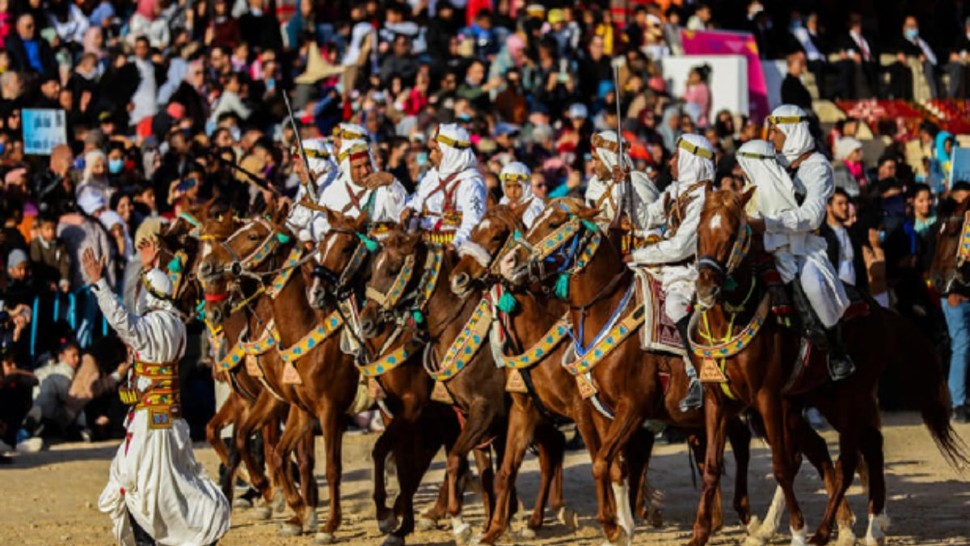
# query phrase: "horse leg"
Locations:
[[306, 458], [521, 426], [871, 447], [608, 466], [296, 423], [263, 411], [271, 438], [739, 435], [413, 455], [480, 418], [551, 445], [386, 520], [715, 422], [637, 453], [486, 477], [219, 421], [849, 437], [717, 509], [332, 427], [783, 460]]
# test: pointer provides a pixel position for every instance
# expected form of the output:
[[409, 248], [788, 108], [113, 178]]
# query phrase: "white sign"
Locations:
[[959, 166], [728, 80], [43, 130]]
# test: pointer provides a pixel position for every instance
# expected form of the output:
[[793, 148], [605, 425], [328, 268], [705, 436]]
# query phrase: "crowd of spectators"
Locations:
[[169, 103]]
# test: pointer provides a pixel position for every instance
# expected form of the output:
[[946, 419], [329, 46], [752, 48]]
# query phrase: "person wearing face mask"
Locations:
[[450, 200], [95, 177], [156, 492], [678, 212], [792, 219], [912, 50]]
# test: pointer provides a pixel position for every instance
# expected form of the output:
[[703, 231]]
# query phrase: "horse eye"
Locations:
[[254, 237], [346, 250]]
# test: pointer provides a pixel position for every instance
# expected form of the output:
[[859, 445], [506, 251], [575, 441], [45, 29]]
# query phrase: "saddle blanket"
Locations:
[[658, 333]]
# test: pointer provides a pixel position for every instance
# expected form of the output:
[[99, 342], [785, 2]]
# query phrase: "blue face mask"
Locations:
[[912, 33], [3, 148], [115, 165]]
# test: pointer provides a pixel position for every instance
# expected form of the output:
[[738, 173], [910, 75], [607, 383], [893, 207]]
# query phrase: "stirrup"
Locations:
[[695, 396], [840, 367]]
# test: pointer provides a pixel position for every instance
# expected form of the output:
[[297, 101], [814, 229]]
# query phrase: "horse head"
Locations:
[[395, 273], [227, 262], [559, 249], [723, 241], [950, 268], [490, 238], [342, 254]]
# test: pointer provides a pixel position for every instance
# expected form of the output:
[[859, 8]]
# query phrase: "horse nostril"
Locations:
[[461, 280], [367, 328], [216, 315]]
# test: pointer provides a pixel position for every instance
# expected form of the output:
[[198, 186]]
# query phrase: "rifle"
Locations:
[[626, 204], [311, 191]]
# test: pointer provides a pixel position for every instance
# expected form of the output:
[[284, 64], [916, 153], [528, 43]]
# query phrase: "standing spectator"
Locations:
[[261, 28], [844, 248], [28, 52], [67, 20], [400, 63], [956, 311], [698, 95], [858, 67], [49, 257], [793, 91], [223, 29], [923, 214], [149, 22], [594, 70]]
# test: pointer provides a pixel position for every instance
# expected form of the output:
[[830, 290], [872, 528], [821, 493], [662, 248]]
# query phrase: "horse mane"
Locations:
[[504, 215], [719, 200], [574, 205]]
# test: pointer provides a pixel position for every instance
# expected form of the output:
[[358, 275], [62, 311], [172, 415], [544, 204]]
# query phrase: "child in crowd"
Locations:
[[51, 261]]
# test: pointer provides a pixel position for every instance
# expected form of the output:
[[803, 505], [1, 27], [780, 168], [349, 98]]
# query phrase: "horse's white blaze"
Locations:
[[715, 223], [624, 513], [381, 258], [486, 223], [327, 248], [544, 216], [206, 250]]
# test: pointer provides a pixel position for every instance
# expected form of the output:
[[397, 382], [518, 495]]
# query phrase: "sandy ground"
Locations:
[[51, 497]]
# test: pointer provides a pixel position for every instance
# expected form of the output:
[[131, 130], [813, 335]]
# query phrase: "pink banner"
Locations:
[[733, 43]]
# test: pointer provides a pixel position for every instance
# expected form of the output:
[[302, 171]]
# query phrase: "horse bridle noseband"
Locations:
[[739, 251]]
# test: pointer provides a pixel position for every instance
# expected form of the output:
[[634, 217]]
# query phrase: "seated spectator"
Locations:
[[49, 257], [857, 67], [16, 395], [51, 414], [28, 52], [793, 91], [849, 171], [911, 48], [806, 34]]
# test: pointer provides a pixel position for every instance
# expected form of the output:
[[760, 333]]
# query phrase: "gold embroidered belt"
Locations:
[[161, 398]]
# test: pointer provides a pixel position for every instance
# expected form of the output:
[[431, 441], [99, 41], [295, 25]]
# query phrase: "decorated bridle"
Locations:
[[739, 251], [564, 252], [245, 265], [396, 301], [340, 284]]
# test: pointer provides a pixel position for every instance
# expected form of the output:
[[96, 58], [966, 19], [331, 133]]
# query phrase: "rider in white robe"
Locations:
[[358, 189], [605, 153], [323, 171], [451, 197], [678, 211], [516, 179], [812, 180], [157, 492]]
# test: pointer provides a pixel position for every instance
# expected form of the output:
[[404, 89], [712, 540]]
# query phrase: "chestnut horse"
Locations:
[[325, 381], [758, 358]]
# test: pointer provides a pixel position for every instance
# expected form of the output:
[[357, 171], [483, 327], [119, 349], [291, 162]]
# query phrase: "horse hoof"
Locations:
[[279, 502], [753, 526], [568, 517], [527, 533], [241, 504], [799, 537], [324, 538], [290, 530], [622, 539], [393, 540], [262, 513], [425, 524], [846, 537], [313, 522], [463, 533], [389, 524]]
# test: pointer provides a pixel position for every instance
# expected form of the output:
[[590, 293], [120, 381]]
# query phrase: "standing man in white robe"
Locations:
[[819, 289], [451, 197], [679, 212], [157, 493]]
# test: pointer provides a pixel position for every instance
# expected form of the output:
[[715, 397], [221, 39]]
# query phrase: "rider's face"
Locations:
[[674, 169]]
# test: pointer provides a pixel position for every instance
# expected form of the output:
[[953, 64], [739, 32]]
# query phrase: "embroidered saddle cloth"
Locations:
[[659, 333]]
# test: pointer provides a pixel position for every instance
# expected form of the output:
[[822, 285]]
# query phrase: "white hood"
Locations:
[[695, 159], [457, 154], [793, 122]]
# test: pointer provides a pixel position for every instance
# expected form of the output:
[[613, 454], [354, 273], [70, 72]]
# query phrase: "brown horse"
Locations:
[[758, 359], [325, 380], [626, 379]]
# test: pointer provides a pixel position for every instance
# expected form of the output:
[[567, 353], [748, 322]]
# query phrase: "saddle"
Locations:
[[659, 333]]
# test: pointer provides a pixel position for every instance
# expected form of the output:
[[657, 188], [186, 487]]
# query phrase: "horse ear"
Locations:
[[518, 209], [360, 225], [332, 216], [281, 212], [746, 195]]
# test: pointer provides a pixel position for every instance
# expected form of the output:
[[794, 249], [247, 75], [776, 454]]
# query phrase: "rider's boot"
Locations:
[[695, 391]]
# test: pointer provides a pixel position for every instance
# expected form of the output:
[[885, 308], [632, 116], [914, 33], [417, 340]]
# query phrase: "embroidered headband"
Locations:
[[695, 150], [778, 120], [459, 144]]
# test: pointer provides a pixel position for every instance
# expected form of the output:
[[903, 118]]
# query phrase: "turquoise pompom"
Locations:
[[418, 317], [562, 286], [517, 235], [282, 238], [506, 303], [589, 225], [370, 244], [175, 266], [730, 284]]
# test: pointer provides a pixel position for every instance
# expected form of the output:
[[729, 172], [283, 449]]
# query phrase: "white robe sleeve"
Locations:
[[392, 199], [429, 180], [818, 181], [471, 203], [682, 245], [654, 215], [132, 329]]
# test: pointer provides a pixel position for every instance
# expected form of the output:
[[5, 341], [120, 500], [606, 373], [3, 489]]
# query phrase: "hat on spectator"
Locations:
[[555, 15], [110, 219], [577, 110], [16, 257], [91, 202], [845, 146], [148, 230], [507, 129], [537, 11]]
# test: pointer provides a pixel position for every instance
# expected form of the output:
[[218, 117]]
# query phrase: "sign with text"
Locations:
[[44, 128]]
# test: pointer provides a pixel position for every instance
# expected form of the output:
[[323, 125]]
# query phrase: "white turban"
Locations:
[[319, 155], [457, 154], [775, 189], [518, 172], [91, 201], [793, 122], [695, 159], [607, 151], [156, 291], [845, 146], [348, 150], [349, 131]]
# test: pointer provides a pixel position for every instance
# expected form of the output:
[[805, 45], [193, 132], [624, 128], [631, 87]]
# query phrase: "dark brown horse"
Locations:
[[760, 373], [325, 381], [627, 379]]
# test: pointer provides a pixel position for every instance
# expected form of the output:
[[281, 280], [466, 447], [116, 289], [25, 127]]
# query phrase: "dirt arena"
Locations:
[[51, 497]]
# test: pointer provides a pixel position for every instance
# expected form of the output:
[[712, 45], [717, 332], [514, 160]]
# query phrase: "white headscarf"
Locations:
[[155, 292], [793, 122], [347, 149], [695, 159], [522, 175], [775, 189], [349, 131], [609, 157], [90, 201], [457, 154], [845, 146], [319, 155]]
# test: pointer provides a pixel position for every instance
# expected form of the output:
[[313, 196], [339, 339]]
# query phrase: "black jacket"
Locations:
[[793, 91], [834, 250], [18, 55]]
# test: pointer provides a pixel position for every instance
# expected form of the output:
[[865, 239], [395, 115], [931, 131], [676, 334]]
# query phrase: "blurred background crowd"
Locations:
[[166, 102]]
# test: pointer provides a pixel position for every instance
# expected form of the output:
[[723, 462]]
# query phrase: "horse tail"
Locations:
[[918, 366]]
